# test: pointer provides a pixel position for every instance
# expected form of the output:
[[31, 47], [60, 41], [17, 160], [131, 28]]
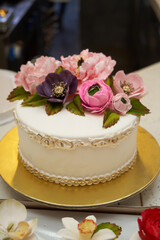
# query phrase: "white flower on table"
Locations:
[[12, 222], [84, 231]]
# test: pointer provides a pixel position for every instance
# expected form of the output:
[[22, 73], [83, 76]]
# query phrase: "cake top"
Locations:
[[80, 83]]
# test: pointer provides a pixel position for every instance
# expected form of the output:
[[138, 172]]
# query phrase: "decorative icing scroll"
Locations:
[[51, 142]]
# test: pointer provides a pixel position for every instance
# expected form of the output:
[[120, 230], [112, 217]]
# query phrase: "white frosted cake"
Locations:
[[71, 149], [77, 123]]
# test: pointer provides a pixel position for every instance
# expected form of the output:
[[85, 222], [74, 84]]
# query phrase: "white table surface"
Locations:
[[151, 122]]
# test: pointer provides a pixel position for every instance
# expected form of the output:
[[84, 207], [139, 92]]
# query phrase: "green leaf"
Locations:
[[59, 69], [34, 101], [116, 229], [53, 108], [138, 108], [17, 94], [110, 118], [109, 82], [76, 106]]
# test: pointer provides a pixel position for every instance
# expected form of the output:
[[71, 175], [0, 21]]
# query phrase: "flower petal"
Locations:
[[33, 224], [12, 211], [70, 223], [3, 233], [68, 234], [91, 217], [104, 234]]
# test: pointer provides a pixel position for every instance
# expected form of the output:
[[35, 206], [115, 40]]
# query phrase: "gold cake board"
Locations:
[[143, 173]]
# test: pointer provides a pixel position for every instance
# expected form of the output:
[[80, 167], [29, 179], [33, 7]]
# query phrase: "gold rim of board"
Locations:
[[143, 173]]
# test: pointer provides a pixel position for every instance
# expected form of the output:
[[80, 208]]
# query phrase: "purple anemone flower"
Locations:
[[56, 87]]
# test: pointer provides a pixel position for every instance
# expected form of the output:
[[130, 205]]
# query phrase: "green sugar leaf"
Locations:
[[110, 118], [53, 108], [138, 108], [75, 106], [34, 101], [18, 93], [109, 82], [116, 229]]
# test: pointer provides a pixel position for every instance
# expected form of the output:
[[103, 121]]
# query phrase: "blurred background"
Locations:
[[128, 30]]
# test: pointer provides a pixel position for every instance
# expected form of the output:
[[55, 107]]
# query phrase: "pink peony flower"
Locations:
[[131, 84], [31, 75], [95, 95], [121, 103], [89, 65]]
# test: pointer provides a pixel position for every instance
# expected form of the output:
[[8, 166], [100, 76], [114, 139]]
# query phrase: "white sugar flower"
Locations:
[[84, 231], [12, 222]]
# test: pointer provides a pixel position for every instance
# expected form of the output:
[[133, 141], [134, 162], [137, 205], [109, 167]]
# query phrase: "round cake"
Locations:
[[75, 150], [77, 123]]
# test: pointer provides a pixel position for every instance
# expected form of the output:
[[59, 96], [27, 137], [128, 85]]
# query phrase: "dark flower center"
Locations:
[[93, 89], [123, 100], [59, 90], [81, 60], [127, 87]]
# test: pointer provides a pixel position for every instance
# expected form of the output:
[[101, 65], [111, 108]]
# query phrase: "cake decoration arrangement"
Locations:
[[88, 229], [85, 79], [77, 123], [13, 224], [149, 225]]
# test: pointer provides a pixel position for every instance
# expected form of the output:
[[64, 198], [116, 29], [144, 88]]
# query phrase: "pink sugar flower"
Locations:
[[95, 96], [89, 65], [121, 103], [31, 75], [131, 84]]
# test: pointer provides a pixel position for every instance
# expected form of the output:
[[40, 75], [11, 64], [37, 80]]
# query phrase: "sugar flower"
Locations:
[[121, 103], [56, 87], [31, 75], [95, 96], [84, 231], [89, 65], [149, 225], [131, 84], [13, 224]]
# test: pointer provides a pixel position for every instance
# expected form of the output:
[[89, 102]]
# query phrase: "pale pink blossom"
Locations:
[[31, 75], [131, 84], [89, 65], [98, 102], [121, 103]]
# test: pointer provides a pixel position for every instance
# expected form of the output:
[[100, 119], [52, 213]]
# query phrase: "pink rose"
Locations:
[[95, 96], [89, 65], [121, 103], [131, 84], [31, 75]]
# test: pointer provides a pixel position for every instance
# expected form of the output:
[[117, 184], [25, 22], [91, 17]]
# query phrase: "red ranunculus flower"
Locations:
[[149, 225]]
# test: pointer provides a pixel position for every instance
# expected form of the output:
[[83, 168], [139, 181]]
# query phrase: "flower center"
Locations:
[[59, 90], [127, 87], [86, 228], [81, 60], [93, 89], [123, 100]]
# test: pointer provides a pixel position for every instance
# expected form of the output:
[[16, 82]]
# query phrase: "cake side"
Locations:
[[80, 160]]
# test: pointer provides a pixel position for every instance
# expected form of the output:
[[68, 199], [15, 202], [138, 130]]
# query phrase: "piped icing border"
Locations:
[[76, 181], [53, 142]]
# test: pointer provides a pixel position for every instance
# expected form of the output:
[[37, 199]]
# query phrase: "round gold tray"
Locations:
[[144, 171]]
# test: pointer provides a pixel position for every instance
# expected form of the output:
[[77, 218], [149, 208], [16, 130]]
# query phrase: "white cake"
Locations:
[[75, 150]]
